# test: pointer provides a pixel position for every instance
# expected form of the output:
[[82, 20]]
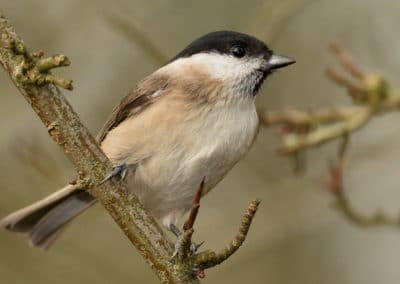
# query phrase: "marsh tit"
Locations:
[[193, 118]]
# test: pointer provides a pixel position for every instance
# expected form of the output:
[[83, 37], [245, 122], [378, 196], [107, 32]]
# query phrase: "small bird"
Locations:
[[192, 119]]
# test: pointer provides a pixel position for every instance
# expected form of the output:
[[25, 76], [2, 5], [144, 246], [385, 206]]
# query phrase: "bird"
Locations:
[[187, 123]]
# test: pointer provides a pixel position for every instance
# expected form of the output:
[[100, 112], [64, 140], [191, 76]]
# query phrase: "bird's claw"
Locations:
[[194, 247], [118, 170], [178, 244]]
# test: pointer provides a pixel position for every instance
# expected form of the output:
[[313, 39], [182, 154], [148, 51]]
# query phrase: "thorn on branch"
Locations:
[[187, 248], [195, 207], [198, 262]]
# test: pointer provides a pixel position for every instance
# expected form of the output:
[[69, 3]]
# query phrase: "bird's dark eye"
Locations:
[[238, 51]]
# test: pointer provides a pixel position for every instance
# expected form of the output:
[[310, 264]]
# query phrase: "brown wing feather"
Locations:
[[135, 102]]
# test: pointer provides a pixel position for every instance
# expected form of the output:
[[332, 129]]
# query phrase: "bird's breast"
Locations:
[[206, 143]]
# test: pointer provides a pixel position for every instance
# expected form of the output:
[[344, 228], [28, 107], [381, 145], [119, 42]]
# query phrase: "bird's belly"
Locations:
[[167, 182]]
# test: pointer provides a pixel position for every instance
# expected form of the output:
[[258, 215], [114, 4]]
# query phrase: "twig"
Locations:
[[185, 250], [27, 71], [209, 259], [195, 208], [342, 204]]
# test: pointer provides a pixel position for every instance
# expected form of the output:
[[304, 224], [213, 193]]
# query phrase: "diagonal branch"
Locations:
[[81, 148], [31, 75]]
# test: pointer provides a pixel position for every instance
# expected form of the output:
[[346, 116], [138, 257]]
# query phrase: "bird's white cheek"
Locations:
[[225, 67], [230, 68], [240, 75]]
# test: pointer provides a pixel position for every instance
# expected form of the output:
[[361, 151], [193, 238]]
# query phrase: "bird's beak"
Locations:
[[277, 61]]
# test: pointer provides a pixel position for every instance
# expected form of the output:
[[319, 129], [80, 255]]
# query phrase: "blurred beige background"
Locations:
[[297, 237]]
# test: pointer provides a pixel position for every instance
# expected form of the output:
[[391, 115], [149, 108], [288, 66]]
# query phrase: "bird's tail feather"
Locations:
[[46, 219]]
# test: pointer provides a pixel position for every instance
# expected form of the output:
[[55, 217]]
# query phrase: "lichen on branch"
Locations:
[[31, 74], [81, 148]]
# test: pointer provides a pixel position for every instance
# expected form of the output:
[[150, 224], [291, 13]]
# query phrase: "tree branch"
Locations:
[[31, 75], [209, 259], [342, 204], [81, 148]]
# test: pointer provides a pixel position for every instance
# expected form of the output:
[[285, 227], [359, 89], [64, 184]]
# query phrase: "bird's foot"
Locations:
[[194, 247], [180, 240], [118, 170], [178, 246]]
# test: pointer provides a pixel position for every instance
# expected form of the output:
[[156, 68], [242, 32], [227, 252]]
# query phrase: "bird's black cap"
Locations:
[[223, 41]]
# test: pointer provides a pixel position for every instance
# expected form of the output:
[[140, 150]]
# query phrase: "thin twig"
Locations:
[[209, 259], [195, 208], [342, 204], [185, 249]]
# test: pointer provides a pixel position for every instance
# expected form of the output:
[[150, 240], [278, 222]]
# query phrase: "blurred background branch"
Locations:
[[370, 93], [342, 203]]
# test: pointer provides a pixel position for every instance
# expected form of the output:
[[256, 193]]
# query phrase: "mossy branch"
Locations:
[[31, 75], [81, 148], [209, 259], [199, 262]]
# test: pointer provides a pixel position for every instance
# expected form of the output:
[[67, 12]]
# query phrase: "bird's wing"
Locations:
[[146, 93]]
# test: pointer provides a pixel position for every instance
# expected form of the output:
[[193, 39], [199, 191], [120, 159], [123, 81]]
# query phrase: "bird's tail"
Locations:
[[45, 219]]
